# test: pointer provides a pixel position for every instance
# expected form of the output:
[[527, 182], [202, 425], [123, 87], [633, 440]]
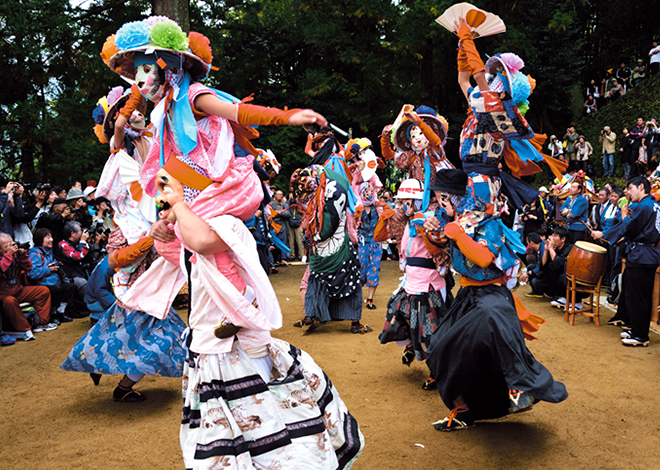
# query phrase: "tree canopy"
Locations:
[[356, 61]]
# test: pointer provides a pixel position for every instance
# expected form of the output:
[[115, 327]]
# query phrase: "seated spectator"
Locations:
[[535, 251], [72, 252], [616, 91], [45, 272], [552, 278], [639, 73], [76, 201], [13, 292], [591, 105]]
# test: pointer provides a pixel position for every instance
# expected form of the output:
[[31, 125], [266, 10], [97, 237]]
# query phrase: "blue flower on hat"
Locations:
[[98, 114], [133, 34]]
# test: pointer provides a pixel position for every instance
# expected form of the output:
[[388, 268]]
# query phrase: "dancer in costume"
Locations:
[[126, 342], [334, 290], [370, 252], [250, 401], [418, 305], [420, 137], [478, 354]]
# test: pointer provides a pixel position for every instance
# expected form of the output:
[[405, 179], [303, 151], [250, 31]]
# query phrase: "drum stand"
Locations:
[[573, 286]]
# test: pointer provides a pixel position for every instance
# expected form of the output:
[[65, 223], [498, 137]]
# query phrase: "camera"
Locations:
[[45, 187], [57, 263], [25, 246]]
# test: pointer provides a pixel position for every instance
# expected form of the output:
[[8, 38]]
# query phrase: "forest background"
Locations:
[[355, 61]]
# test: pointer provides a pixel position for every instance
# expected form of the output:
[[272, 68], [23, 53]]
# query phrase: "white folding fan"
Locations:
[[480, 22], [129, 174]]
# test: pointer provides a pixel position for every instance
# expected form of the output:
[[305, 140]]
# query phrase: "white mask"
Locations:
[[417, 139], [148, 81]]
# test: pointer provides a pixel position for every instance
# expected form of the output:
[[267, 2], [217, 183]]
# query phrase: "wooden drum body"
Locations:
[[586, 262]]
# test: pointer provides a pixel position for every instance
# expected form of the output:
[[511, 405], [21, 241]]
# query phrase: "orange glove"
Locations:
[[131, 253], [253, 115], [492, 102], [474, 251], [385, 147], [471, 61], [136, 100], [434, 140]]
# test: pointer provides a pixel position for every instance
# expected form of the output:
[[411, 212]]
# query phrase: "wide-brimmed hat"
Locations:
[[401, 135], [162, 40], [370, 164], [74, 193], [410, 189], [450, 180]]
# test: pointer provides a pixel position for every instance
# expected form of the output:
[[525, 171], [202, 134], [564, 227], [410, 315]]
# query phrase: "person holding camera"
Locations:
[[608, 139], [47, 271], [555, 147], [652, 137], [75, 198], [570, 138], [14, 260], [73, 250], [11, 206], [59, 214]]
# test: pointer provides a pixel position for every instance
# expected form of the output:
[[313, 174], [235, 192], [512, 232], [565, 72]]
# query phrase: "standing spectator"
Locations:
[[608, 139], [591, 104], [59, 214], [296, 232], [73, 249], [642, 258], [569, 146], [45, 272], [281, 217], [593, 89], [575, 209], [555, 147], [61, 192], [654, 54], [600, 208], [102, 214], [11, 206], [639, 73], [532, 217], [623, 75], [652, 136], [583, 150], [13, 260], [627, 152]]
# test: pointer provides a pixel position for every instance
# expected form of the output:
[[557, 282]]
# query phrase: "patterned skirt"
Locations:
[[130, 342], [232, 419], [414, 318], [370, 254]]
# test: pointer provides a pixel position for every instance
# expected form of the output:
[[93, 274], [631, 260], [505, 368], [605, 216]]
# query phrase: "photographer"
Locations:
[[652, 136], [555, 147], [22, 233], [608, 139], [76, 201], [46, 271], [59, 214], [11, 206], [72, 252], [14, 260], [103, 214]]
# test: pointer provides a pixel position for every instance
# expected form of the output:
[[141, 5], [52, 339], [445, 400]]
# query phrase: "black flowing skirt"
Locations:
[[478, 351]]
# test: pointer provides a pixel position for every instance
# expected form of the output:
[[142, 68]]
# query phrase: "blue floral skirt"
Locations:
[[130, 342], [370, 254]]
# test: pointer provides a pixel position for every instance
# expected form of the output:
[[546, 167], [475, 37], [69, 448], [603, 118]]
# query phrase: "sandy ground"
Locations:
[[60, 420]]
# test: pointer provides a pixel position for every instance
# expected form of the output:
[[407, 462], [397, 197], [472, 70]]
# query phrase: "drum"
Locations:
[[586, 262]]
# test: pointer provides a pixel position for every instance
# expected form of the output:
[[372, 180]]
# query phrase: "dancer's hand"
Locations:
[[161, 231], [412, 117], [307, 116]]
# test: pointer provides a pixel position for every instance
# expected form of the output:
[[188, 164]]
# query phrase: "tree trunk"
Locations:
[[178, 10]]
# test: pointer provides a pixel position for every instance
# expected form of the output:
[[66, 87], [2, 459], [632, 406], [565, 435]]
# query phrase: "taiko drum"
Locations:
[[586, 262]]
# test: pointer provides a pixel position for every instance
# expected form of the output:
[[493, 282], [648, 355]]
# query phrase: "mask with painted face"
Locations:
[[417, 139], [137, 120], [147, 78]]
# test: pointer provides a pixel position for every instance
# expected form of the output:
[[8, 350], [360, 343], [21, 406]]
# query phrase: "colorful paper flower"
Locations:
[[98, 114], [133, 34], [169, 35], [200, 46], [116, 93], [98, 130], [152, 20], [109, 49]]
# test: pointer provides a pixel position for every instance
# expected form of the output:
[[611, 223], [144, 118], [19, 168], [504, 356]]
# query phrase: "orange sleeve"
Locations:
[[474, 251], [382, 232], [253, 115], [434, 140], [386, 147]]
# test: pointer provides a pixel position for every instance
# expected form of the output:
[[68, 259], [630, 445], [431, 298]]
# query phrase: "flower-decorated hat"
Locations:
[[157, 39], [505, 67], [116, 100], [401, 135]]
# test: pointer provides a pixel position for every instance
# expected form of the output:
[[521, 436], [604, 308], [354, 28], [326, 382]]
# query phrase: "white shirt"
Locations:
[[655, 57]]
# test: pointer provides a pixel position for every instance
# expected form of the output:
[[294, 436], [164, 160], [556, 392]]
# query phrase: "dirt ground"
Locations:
[[611, 420]]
